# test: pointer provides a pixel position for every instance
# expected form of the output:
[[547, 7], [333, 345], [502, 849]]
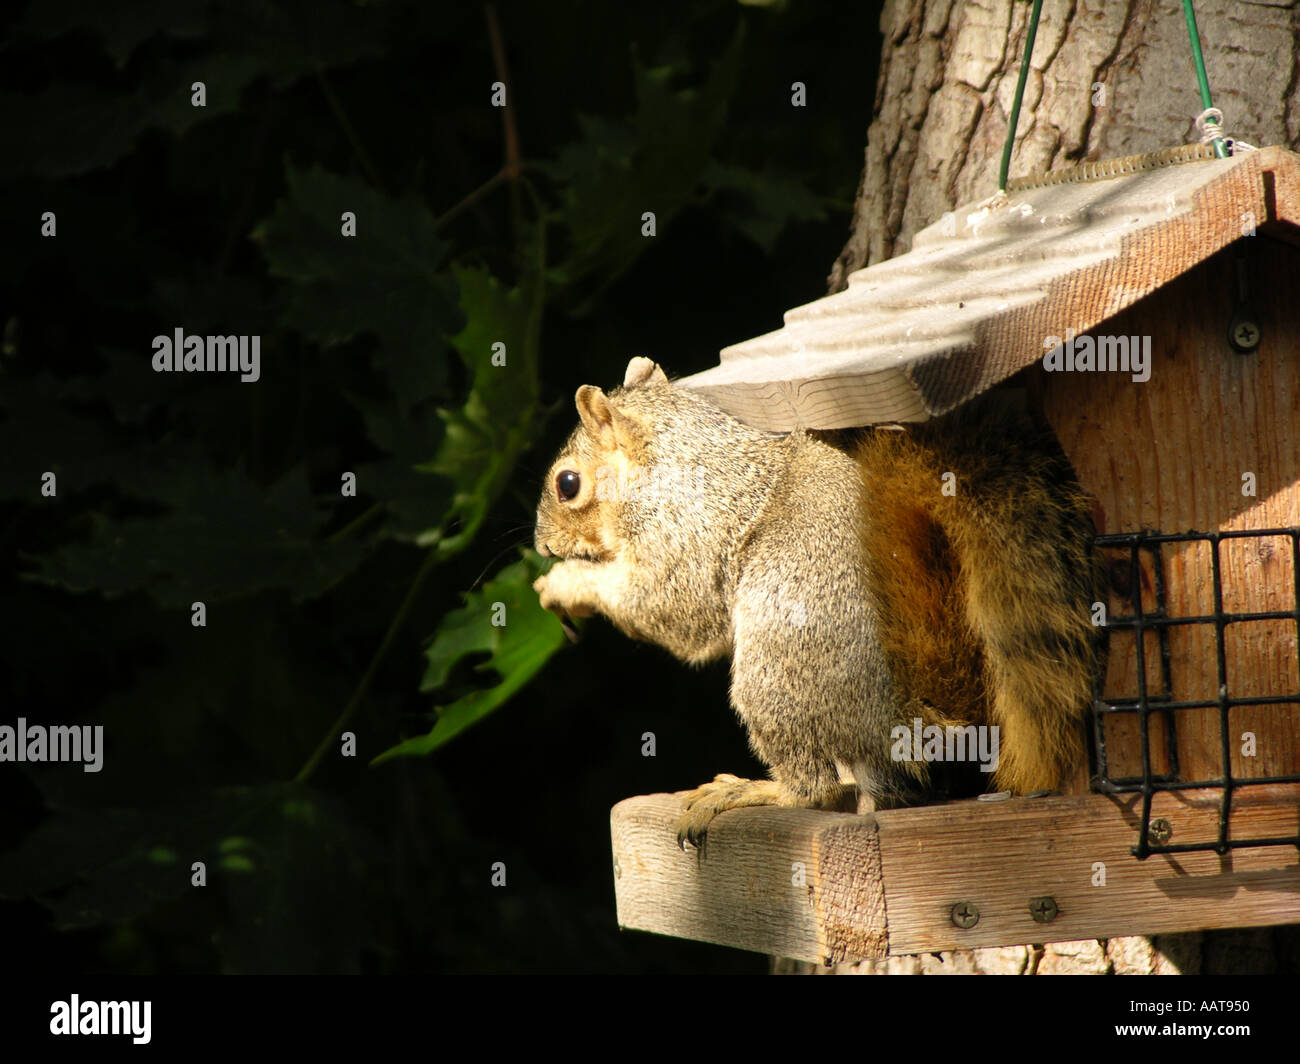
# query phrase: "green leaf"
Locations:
[[483, 440], [412, 500], [224, 537], [653, 162], [516, 651], [288, 860], [290, 877], [38, 434], [73, 129], [77, 128], [774, 201], [123, 25], [292, 38], [385, 280]]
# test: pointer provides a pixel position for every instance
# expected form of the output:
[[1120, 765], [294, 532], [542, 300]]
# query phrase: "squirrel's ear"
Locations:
[[612, 427], [643, 371]]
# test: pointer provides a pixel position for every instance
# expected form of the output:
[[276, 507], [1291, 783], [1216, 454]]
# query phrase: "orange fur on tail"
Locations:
[[985, 593]]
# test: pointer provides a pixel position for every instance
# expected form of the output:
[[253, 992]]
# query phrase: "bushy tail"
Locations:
[[1018, 532]]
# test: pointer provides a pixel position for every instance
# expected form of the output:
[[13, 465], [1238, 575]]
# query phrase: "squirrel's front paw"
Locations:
[[560, 592], [710, 799]]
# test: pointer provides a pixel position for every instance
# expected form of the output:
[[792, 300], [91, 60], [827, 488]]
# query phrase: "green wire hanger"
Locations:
[[1198, 61]]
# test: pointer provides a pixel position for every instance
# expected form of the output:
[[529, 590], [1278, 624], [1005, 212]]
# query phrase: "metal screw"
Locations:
[[1159, 832], [1244, 335], [965, 914], [1043, 909]]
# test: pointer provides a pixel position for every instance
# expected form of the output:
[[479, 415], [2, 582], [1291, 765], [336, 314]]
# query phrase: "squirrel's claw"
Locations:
[[693, 832]]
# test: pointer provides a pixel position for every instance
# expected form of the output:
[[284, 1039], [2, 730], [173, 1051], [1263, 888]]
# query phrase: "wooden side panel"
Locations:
[[1076, 851], [1172, 454]]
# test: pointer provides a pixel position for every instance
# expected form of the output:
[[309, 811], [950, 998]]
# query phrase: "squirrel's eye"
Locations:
[[567, 483]]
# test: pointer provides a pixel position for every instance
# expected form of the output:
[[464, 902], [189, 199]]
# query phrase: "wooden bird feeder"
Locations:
[[1188, 817]]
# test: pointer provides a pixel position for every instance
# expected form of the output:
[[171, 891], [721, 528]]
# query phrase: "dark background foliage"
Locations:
[[493, 744]]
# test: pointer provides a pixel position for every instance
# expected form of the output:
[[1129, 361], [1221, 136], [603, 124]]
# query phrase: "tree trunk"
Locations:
[[1106, 80]]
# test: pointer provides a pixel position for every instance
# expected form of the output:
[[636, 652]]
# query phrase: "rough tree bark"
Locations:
[[1107, 78]]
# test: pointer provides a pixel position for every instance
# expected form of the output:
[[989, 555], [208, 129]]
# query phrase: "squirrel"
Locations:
[[860, 581]]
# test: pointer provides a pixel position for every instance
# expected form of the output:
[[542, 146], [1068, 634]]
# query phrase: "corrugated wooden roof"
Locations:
[[918, 335]]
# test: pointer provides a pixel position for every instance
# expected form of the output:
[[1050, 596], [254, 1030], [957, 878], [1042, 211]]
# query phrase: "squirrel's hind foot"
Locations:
[[724, 792]]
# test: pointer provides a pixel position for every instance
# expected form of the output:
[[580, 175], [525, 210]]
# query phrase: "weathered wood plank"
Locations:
[[790, 882], [887, 883]]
